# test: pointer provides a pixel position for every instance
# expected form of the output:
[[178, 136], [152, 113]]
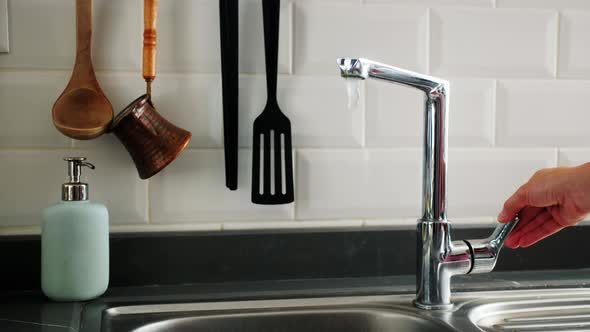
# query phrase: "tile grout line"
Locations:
[[494, 113], [428, 55], [291, 8], [295, 180], [557, 42], [148, 198], [364, 115], [35, 149]]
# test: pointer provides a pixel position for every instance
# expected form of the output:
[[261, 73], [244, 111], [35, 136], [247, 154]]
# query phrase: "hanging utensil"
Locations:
[[82, 111], [152, 141], [150, 22], [272, 127], [228, 18]]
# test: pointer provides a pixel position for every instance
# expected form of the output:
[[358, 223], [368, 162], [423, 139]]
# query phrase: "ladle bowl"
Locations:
[[82, 113]]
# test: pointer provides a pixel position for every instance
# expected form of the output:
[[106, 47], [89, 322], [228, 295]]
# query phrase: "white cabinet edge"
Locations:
[[4, 46]]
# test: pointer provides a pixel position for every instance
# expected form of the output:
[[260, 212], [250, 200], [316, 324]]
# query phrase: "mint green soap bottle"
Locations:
[[75, 242]]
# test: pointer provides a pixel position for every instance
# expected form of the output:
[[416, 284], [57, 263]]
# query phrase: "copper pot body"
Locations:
[[152, 141]]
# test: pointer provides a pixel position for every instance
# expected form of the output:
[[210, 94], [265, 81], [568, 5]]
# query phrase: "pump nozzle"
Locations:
[[74, 190]]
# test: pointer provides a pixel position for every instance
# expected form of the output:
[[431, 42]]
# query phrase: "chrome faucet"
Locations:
[[439, 258]]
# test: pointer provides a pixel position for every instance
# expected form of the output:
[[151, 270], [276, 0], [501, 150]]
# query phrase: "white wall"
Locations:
[[519, 72]]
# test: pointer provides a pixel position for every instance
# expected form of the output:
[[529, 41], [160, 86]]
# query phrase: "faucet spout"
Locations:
[[364, 68], [434, 189], [353, 68]]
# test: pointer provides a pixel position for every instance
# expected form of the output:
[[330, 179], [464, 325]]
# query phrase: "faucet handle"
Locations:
[[484, 252]]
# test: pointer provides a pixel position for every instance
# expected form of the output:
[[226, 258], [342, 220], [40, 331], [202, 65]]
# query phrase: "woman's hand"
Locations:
[[554, 198]]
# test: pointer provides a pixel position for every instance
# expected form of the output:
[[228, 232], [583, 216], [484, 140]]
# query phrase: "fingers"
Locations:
[[525, 216], [542, 226], [514, 204], [527, 226]]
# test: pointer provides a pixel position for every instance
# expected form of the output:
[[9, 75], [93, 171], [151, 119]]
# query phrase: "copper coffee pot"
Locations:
[[152, 141]]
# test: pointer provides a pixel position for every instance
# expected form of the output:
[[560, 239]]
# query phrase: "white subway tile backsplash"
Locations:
[[574, 55], [471, 112], [480, 180], [437, 3], [559, 4], [514, 108], [192, 189], [49, 42], [115, 183], [192, 102], [316, 106], [358, 183], [542, 113], [35, 178], [387, 183], [188, 37], [123, 88], [573, 156], [30, 182], [26, 100], [395, 115], [493, 43], [328, 1], [117, 35], [323, 33]]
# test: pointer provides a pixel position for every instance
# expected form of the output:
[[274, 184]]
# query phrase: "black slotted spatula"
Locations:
[[272, 129]]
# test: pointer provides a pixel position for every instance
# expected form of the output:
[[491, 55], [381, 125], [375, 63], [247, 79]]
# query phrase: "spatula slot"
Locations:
[[260, 170], [272, 162], [283, 181]]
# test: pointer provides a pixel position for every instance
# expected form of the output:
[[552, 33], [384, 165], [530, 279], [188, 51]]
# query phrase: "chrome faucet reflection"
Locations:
[[439, 258]]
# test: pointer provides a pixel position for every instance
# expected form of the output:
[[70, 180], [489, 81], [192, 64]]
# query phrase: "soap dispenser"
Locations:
[[75, 242]]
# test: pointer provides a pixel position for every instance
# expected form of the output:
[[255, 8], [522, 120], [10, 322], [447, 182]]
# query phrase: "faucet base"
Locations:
[[432, 306]]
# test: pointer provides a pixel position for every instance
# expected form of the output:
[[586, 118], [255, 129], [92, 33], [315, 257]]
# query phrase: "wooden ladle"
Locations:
[[82, 111]]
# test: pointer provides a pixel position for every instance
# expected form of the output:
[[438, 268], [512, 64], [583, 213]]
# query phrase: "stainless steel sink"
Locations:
[[549, 310], [527, 310], [309, 315], [503, 302]]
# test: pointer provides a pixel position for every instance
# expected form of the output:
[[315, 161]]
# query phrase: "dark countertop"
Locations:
[[30, 311]]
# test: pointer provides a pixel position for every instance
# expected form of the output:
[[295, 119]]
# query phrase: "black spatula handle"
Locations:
[[271, 10], [228, 15]]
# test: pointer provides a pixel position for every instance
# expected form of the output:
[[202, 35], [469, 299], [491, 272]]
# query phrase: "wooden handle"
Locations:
[[150, 20], [83, 32]]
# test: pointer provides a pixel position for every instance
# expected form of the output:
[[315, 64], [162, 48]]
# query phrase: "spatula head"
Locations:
[[272, 158]]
